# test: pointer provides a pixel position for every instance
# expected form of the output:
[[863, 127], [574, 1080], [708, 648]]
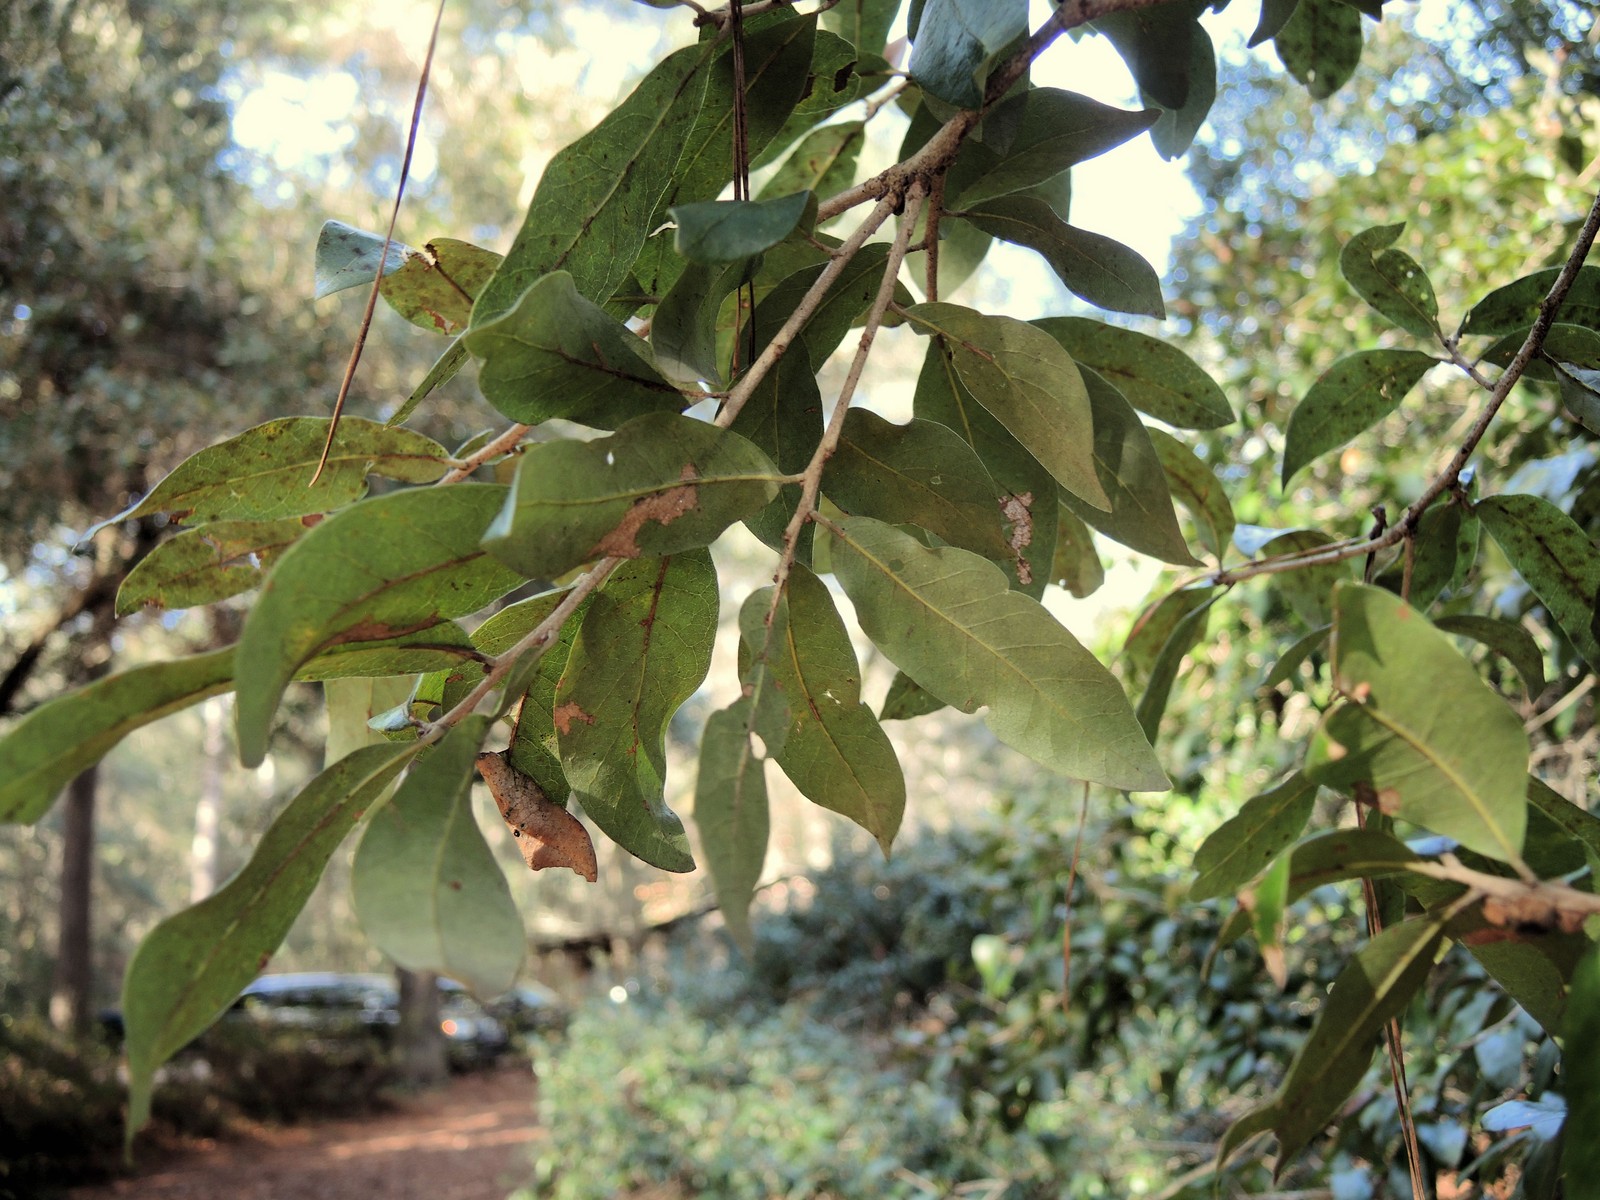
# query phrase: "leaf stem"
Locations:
[[503, 444]]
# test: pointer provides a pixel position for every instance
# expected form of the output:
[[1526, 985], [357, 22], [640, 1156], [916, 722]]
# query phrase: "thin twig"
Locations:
[[812, 484], [388, 240], [503, 444]]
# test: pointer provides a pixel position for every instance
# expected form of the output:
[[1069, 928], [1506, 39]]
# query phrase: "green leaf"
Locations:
[[1289, 661], [1505, 638], [835, 752], [436, 287], [1435, 554], [1141, 515], [907, 699], [1320, 45], [779, 50], [1056, 130], [1571, 344], [1164, 673], [721, 231], [833, 80], [731, 812], [1175, 132], [784, 419], [1516, 305], [442, 371], [264, 473], [683, 330], [348, 257], [393, 565], [555, 354], [662, 483], [46, 749], [1275, 15], [1556, 558], [1580, 392], [824, 163], [1349, 398], [1030, 385], [1196, 486], [1076, 563], [843, 304], [1442, 750], [1095, 268], [865, 24], [1578, 823], [352, 705], [596, 200], [1157, 378], [1308, 589], [200, 566], [1026, 493], [947, 618], [642, 650], [1154, 628], [958, 41], [1155, 43], [1528, 972], [922, 474], [533, 747], [1391, 280], [192, 965], [1342, 854], [426, 887], [1372, 989], [1243, 846]]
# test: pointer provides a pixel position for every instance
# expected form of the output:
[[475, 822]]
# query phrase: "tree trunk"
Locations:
[[70, 996], [208, 808], [421, 1048]]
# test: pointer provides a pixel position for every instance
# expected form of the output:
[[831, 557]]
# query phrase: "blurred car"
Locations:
[[529, 1009]]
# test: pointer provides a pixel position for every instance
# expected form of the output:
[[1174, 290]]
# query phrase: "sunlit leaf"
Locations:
[[662, 483], [348, 257], [1241, 847], [200, 566], [426, 887], [958, 41], [946, 618], [835, 752], [595, 202], [192, 965], [1556, 558], [1141, 515], [390, 566], [1031, 386], [1156, 377], [43, 751], [436, 287], [730, 811], [555, 354], [1320, 45], [1391, 280], [920, 473], [1439, 747], [1349, 398], [264, 473], [642, 650]]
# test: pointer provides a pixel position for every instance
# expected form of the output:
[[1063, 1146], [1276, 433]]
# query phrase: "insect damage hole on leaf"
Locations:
[[547, 834]]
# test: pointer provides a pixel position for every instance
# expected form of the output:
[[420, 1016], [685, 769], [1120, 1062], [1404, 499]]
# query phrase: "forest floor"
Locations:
[[469, 1140]]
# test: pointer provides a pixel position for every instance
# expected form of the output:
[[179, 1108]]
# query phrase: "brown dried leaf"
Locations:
[[547, 834]]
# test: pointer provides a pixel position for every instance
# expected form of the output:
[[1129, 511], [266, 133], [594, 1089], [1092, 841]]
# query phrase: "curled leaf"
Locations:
[[547, 834]]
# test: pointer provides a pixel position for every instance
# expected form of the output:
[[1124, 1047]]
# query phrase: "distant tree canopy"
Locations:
[[1365, 453]]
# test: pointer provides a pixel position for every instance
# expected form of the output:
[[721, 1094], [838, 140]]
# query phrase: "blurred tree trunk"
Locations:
[[72, 988], [421, 1048]]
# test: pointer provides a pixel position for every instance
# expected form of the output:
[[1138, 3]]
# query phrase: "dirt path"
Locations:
[[468, 1141]]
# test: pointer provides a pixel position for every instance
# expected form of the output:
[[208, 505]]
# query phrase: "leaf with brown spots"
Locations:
[[660, 485], [547, 834]]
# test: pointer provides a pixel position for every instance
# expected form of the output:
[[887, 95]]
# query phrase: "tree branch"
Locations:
[[1450, 476]]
